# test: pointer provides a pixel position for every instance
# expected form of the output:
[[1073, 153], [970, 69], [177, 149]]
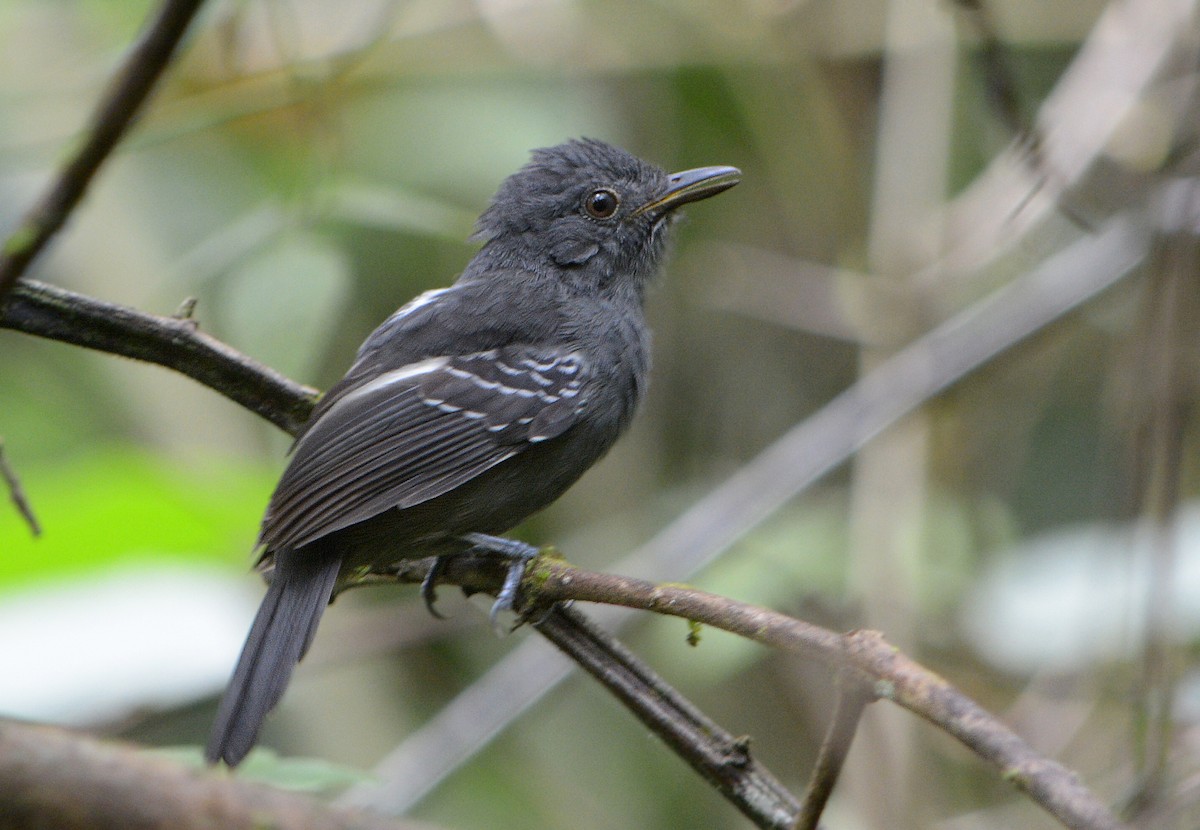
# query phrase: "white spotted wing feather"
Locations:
[[418, 432]]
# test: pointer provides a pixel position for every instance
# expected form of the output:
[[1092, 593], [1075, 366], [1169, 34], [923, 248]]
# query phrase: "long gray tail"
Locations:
[[281, 633]]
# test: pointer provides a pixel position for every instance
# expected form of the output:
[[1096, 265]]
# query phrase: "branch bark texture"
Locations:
[[891, 675], [52, 778], [58, 314]]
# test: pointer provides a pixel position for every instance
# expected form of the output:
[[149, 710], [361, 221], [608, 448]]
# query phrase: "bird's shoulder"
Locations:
[[466, 318]]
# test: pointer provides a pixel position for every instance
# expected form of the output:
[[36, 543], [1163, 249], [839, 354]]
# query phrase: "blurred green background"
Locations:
[[307, 167]]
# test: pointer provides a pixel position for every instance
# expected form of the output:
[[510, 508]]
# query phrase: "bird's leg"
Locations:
[[518, 553]]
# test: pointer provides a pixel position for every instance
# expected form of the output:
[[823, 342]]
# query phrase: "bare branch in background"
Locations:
[[853, 697], [1163, 391], [999, 77], [17, 493], [108, 124]]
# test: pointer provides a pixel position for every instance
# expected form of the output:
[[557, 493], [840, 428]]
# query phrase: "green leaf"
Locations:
[[266, 766], [120, 505]]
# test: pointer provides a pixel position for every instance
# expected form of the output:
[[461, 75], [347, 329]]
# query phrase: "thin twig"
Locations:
[[109, 122], [1164, 395], [853, 698], [17, 493]]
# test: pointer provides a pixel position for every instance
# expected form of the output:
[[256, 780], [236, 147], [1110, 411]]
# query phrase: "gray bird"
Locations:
[[473, 406]]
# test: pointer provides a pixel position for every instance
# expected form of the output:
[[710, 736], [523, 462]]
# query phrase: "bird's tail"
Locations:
[[281, 633]]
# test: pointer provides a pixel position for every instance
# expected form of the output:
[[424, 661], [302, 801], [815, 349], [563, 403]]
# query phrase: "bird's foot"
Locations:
[[519, 555]]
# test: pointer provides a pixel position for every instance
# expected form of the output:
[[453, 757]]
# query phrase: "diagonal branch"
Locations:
[[868, 667], [721, 758], [108, 124], [176, 343]]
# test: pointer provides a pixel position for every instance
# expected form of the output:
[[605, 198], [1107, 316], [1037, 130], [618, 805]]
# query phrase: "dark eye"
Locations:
[[601, 204]]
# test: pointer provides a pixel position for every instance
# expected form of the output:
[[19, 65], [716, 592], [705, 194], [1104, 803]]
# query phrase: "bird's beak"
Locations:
[[691, 186]]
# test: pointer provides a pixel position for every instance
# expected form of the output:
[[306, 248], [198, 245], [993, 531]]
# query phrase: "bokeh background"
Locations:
[[308, 166]]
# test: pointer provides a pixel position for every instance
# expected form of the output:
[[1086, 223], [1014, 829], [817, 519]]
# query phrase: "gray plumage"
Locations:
[[473, 406]]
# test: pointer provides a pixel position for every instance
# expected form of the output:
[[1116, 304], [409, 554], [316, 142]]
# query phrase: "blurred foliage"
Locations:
[[310, 166], [111, 506], [267, 767]]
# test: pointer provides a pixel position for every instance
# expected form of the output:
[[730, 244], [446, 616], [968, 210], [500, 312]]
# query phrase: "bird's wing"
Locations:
[[417, 432]]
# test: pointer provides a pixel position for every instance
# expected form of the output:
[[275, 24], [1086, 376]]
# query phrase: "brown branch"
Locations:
[[853, 698], [863, 659], [721, 758], [109, 122], [50, 777], [55, 313], [893, 676], [17, 494]]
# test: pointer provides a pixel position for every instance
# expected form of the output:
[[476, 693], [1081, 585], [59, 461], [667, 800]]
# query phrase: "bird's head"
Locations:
[[592, 213]]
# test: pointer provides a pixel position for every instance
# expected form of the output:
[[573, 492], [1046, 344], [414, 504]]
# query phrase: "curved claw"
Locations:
[[429, 586], [507, 595], [519, 555]]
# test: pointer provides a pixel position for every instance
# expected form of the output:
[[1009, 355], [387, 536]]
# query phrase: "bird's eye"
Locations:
[[601, 204]]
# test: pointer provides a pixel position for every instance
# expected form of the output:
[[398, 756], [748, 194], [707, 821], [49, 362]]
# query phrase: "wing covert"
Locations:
[[418, 432]]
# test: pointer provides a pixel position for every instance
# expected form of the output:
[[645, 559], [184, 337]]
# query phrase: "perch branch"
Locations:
[[864, 660], [893, 676]]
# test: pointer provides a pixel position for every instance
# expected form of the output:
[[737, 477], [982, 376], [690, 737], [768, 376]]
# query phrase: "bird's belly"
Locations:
[[492, 503]]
